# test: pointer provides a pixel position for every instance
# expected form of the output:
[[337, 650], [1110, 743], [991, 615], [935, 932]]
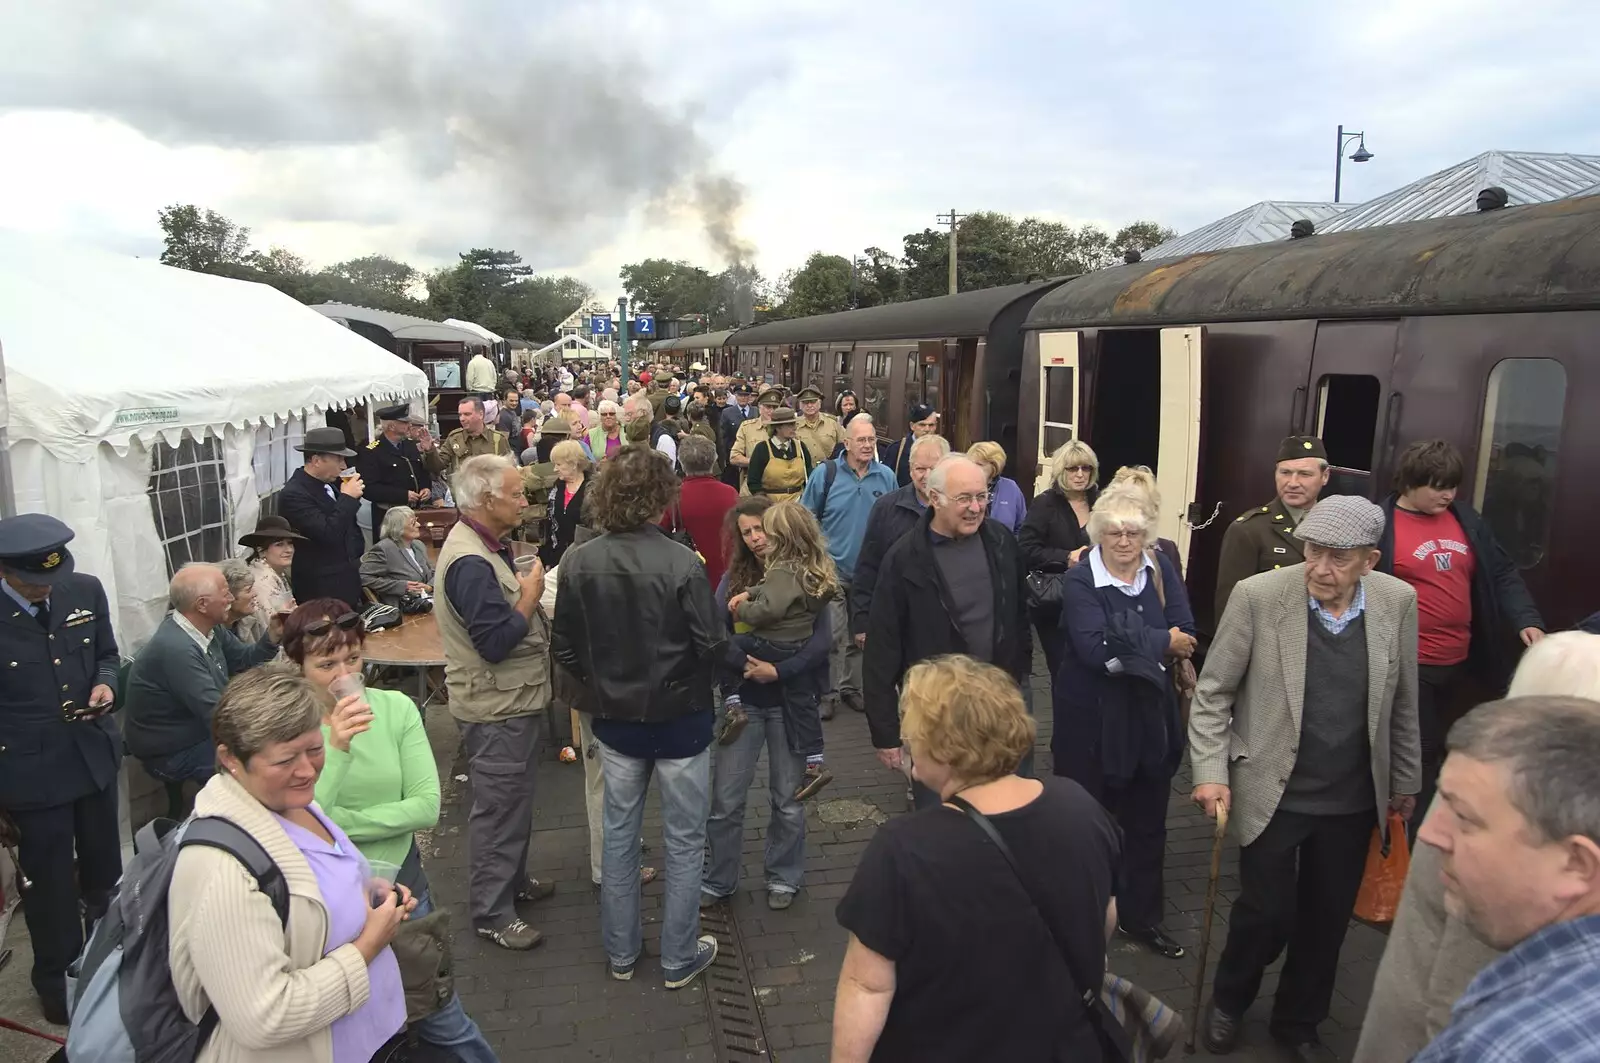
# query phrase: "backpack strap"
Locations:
[[217, 833], [830, 474]]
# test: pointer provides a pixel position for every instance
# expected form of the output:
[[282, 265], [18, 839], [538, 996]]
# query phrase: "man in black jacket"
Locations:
[[1474, 613], [953, 584], [888, 521], [392, 468], [328, 563]]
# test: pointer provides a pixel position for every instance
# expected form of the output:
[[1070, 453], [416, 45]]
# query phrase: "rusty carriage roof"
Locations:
[[941, 317], [1543, 257]]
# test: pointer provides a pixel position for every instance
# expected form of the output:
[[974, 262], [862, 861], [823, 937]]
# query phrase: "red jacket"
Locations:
[[705, 503]]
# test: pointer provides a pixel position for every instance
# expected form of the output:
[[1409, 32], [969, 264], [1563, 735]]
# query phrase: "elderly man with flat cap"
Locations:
[[321, 502], [1304, 726], [392, 468], [59, 747], [1263, 539]]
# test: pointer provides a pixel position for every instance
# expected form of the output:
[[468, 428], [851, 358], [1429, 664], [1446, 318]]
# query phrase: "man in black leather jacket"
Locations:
[[637, 626]]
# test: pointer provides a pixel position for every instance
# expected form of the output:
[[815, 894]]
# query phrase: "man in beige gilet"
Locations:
[[497, 670]]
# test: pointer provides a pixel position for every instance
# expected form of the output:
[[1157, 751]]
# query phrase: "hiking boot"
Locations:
[[516, 935], [816, 777], [535, 891], [734, 722], [704, 955]]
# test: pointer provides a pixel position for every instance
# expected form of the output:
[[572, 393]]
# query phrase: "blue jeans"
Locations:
[[732, 772], [685, 804], [198, 762], [450, 1027]]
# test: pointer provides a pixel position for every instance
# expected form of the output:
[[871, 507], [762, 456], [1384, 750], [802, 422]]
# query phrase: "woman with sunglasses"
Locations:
[[379, 783], [1053, 536]]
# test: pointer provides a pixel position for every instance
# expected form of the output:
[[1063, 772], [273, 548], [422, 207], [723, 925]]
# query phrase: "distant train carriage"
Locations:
[[1482, 330], [709, 348]]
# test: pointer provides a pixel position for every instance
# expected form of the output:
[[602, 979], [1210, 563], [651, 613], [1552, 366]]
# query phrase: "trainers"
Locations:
[[516, 935], [711, 900], [816, 777], [535, 891], [704, 954], [779, 900], [622, 972], [733, 725]]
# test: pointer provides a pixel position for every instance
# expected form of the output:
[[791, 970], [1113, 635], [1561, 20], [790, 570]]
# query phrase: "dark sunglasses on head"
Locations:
[[327, 624]]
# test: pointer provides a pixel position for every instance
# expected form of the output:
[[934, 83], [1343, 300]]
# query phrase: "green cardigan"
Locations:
[[387, 787]]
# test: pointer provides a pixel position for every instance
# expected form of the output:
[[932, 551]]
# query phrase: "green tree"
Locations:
[[278, 262], [377, 273], [821, 286], [200, 239], [674, 290], [1140, 236]]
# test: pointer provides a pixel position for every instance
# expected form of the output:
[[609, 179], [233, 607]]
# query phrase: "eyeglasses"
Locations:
[[1123, 534], [1080, 468], [327, 624], [980, 498]]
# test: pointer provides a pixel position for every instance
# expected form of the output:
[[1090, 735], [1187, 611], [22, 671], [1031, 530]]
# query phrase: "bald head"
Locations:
[[200, 592]]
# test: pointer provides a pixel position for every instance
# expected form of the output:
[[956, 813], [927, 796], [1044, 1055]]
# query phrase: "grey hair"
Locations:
[[697, 456], [941, 471], [472, 400], [394, 523], [479, 479], [268, 704], [1549, 745], [1123, 509], [1566, 664], [866, 419], [237, 572], [938, 442], [635, 404], [189, 585]]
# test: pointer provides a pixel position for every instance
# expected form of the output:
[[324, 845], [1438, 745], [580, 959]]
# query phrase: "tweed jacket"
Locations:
[[1244, 726], [385, 570]]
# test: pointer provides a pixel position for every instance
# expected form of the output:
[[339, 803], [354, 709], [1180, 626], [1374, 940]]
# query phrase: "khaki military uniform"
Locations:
[[1260, 540], [458, 446], [750, 433], [821, 438]]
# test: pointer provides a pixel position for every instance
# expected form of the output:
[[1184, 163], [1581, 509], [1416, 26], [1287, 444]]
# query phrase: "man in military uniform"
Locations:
[[59, 747], [473, 437], [1263, 539], [740, 410], [819, 431], [750, 433], [392, 467]]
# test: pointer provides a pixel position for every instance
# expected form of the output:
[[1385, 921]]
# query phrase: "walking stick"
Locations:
[[1205, 926]]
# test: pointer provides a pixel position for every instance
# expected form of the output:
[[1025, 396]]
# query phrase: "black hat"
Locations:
[[741, 388], [269, 530], [325, 441], [1301, 447], [34, 546], [673, 404], [397, 412], [921, 411]]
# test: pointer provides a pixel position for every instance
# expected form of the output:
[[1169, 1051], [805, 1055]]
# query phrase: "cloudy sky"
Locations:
[[590, 133]]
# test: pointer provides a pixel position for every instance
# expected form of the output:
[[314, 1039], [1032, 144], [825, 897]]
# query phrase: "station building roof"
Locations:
[[1259, 223], [1527, 177]]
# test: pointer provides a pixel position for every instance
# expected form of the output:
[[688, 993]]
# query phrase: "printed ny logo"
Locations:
[[1441, 561]]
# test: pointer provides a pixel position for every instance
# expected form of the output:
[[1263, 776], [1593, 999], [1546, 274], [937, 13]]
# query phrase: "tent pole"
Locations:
[[8, 496]]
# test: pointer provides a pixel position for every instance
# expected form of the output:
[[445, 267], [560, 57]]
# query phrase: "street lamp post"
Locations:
[[1361, 154]]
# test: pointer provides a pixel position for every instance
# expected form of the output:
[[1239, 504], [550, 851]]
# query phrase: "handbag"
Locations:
[[679, 533], [1044, 591], [1124, 1033]]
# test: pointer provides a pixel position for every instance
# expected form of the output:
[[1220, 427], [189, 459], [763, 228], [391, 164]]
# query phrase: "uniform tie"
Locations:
[[42, 614]]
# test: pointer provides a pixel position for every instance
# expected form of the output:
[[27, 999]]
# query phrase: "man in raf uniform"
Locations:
[[392, 467], [740, 410], [59, 747], [752, 432], [1263, 539], [473, 437], [819, 431]]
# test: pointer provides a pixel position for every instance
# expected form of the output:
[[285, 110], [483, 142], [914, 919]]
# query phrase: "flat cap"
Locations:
[[34, 546], [1301, 447], [1343, 522]]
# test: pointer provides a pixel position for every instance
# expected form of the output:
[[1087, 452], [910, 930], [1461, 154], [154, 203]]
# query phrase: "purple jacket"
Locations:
[[1008, 506]]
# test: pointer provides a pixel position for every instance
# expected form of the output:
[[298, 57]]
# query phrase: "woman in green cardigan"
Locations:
[[379, 782]]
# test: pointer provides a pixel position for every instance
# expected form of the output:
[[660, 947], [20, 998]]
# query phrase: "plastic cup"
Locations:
[[525, 563], [346, 473], [381, 879], [346, 685]]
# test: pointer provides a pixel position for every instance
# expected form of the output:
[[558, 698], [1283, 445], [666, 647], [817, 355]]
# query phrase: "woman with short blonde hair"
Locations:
[[565, 508], [1052, 537], [1006, 503], [932, 889]]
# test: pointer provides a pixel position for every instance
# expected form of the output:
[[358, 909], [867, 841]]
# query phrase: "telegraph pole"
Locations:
[[953, 220]]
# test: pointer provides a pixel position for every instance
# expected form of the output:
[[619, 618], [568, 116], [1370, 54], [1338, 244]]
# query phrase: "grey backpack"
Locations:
[[124, 1006]]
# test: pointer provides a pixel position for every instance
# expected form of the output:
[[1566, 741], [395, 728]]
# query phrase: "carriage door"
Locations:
[[1058, 399], [1178, 454], [794, 359], [1351, 404]]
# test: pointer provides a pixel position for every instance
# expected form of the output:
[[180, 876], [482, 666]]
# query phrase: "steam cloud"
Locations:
[[515, 124]]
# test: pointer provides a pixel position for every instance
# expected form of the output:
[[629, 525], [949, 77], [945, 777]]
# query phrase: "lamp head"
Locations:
[[1361, 153]]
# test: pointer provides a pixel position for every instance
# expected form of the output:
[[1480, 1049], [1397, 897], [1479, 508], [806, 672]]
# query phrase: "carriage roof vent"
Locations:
[[1492, 198], [1302, 229], [1131, 255]]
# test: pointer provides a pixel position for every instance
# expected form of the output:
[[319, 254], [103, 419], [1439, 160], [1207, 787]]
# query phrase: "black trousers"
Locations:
[[1435, 686], [1140, 809], [62, 892], [1297, 887]]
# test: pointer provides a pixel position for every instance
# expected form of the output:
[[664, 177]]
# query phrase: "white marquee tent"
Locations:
[[150, 408]]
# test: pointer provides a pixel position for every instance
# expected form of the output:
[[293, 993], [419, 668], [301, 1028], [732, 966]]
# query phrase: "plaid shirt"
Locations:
[[1539, 1002], [1336, 624]]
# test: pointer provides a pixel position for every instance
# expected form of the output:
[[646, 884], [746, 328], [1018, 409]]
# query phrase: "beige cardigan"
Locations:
[[276, 994]]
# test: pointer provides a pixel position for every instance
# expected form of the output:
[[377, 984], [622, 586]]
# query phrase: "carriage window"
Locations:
[[911, 367], [1521, 439], [1347, 419], [444, 373], [189, 496], [1059, 413], [930, 384], [815, 358]]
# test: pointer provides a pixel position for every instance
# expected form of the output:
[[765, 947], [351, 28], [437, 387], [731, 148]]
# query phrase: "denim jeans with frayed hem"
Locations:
[[732, 773], [685, 804]]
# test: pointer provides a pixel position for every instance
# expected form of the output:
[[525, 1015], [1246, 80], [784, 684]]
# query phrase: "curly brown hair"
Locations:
[[634, 488], [745, 569]]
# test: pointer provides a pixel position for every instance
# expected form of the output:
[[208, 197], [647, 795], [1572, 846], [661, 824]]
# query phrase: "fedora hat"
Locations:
[[325, 441], [270, 530]]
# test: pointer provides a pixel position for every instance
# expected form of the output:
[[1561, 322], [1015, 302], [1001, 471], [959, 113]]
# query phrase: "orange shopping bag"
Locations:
[[1385, 876]]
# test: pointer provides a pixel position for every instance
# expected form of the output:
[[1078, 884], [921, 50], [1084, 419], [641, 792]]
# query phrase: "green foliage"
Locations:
[[199, 240], [821, 286]]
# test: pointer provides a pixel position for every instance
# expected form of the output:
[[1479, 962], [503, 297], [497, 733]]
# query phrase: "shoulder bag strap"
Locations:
[[1155, 576], [1089, 989]]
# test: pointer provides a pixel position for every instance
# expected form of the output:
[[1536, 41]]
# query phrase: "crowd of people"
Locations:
[[705, 569]]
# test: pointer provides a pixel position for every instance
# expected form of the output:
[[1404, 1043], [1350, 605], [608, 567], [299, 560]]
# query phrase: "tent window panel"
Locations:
[[274, 460], [189, 499]]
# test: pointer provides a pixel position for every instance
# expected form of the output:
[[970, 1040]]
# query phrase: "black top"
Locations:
[[561, 527], [1051, 532], [328, 563], [977, 973]]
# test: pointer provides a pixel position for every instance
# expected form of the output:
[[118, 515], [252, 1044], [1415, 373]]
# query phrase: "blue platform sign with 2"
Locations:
[[644, 324], [600, 325]]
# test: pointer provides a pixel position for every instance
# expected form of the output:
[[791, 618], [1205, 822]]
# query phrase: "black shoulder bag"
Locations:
[[1114, 1045]]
